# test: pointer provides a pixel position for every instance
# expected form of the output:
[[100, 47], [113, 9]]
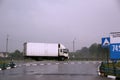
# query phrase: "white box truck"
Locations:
[[45, 50]]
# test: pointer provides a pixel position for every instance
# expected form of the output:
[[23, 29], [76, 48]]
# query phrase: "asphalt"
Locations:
[[54, 70]]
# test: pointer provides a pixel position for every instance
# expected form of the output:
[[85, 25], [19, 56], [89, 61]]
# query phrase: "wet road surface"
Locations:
[[53, 70]]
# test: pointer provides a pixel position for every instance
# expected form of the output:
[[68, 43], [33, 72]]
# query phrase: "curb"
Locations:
[[112, 77], [7, 68], [108, 76]]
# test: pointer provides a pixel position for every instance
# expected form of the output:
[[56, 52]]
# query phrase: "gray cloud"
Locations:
[[57, 21]]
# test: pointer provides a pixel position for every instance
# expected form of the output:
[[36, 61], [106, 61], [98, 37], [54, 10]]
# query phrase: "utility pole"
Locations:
[[73, 48], [6, 45], [74, 45]]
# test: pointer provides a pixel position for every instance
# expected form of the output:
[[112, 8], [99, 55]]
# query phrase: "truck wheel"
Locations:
[[62, 58]]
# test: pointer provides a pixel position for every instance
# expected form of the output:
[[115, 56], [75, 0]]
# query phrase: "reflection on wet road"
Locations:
[[84, 70]]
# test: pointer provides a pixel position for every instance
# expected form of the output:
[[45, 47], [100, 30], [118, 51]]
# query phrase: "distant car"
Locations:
[[12, 64], [6, 65]]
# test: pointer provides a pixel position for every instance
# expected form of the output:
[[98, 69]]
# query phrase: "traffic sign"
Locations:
[[115, 51], [115, 45], [105, 42]]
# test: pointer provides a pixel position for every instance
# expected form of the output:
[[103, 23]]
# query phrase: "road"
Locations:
[[54, 70]]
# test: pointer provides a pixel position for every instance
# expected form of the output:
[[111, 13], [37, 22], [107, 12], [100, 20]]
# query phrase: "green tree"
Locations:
[[16, 55], [93, 49]]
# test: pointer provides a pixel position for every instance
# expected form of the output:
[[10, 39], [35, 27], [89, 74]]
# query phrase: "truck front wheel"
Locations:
[[61, 58]]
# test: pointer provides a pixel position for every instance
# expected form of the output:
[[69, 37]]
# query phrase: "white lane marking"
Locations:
[[65, 63], [34, 64], [48, 63], [99, 62], [27, 65], [42, 64], [72, 63], [57, 63], [8, 68]]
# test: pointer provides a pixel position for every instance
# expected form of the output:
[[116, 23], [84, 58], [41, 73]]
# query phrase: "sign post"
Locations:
[[105, 44]]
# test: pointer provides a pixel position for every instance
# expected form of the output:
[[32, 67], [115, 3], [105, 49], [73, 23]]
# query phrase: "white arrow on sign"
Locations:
[[106, 42]]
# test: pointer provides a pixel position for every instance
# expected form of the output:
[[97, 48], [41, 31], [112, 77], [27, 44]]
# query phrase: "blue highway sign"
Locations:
[[105, 42], [115, 51], [115, 45]]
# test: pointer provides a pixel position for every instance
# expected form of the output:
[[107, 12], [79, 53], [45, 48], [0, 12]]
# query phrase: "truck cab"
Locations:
[[63, 52]]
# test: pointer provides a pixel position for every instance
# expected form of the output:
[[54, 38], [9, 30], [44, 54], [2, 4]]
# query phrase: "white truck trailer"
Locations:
[[45, 50]]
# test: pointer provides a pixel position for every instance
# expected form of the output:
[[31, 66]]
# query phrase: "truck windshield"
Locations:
[[65, 50]]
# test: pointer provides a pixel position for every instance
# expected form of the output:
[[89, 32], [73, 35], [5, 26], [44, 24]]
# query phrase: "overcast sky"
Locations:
[[57, 21]]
